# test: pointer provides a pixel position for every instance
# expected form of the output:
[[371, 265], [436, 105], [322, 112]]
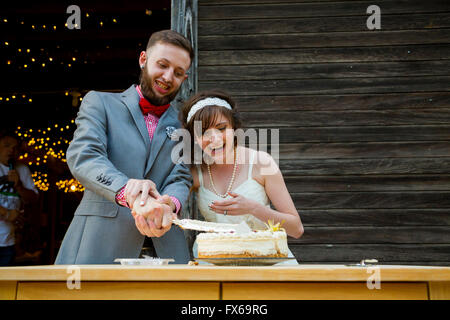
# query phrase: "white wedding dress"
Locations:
[[250, 188]]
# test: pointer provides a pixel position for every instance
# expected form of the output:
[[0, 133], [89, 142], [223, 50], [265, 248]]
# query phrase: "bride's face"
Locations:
[[218, 141]]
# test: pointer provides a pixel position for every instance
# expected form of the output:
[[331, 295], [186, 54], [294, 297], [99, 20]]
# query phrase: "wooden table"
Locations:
[[185, 282]]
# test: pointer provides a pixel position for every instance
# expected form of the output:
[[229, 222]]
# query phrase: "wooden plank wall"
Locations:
[[364, 117]]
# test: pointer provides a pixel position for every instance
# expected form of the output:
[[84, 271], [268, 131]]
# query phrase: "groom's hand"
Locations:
[[136, 187], [154, 219]]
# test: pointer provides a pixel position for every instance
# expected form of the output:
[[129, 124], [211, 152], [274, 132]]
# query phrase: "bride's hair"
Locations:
[[209, 114]]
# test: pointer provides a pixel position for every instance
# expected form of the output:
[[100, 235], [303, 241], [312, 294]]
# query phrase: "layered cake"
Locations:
[[267, 244]]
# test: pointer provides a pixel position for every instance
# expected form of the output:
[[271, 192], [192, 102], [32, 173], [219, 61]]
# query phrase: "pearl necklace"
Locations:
[[231, 181]]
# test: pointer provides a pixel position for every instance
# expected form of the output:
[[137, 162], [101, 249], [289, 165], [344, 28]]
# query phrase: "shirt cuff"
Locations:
[[120, 197], [177, 204]]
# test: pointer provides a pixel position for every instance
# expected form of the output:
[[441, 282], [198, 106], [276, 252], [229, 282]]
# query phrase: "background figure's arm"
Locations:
[[26, 188]]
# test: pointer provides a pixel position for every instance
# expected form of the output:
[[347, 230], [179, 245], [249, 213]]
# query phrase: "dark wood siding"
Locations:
[[364, 117]]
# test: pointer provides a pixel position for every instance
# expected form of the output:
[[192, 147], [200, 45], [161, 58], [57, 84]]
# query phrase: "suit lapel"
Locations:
[[169, 118], [131, 99]]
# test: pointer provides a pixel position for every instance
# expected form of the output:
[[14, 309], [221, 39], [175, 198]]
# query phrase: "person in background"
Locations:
[[16, 188]]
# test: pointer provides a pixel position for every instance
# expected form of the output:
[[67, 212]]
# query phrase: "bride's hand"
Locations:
[[237, 205]]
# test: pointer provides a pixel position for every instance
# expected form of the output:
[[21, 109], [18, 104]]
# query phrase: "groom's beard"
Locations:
[[148, 93]]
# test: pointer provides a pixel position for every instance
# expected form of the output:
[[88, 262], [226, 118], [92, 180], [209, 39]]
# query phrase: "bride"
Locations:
[[234, 183]]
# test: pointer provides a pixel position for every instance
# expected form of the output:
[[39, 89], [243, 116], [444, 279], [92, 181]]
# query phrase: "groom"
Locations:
[[121, 153]]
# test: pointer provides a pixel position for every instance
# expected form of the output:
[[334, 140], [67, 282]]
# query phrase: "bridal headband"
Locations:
[[210, 101]]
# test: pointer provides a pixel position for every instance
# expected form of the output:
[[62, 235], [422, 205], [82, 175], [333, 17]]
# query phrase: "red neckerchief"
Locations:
[[147, 107]]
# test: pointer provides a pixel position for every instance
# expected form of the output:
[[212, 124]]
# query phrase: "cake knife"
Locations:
[[212, 226]]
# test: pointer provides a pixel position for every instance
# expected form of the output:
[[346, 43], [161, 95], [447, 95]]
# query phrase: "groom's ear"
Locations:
[[142, 58]]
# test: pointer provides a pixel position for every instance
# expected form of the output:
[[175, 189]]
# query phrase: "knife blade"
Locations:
[[207, 226]]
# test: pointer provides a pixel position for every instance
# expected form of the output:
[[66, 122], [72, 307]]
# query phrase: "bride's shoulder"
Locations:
[[263, 163], [262, 158]]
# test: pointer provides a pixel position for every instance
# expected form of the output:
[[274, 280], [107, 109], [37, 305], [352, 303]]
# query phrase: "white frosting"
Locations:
[[251, 235]]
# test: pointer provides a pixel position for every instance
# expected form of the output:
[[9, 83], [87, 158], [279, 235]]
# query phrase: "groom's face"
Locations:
[[165, 67]]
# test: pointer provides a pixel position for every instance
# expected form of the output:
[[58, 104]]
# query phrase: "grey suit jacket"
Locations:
[[111, 145]]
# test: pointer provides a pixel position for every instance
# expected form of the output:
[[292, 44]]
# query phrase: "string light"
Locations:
[[70, 185], [18, 98], [40, 180], [38, 142], [46, 28]]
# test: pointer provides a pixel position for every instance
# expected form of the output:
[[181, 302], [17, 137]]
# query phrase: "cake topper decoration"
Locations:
[[274, 227]]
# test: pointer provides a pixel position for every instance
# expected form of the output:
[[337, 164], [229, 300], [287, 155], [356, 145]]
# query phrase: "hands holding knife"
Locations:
[[153, 213]]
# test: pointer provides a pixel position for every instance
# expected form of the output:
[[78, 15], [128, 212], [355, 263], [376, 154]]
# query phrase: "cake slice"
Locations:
[[264, 244]]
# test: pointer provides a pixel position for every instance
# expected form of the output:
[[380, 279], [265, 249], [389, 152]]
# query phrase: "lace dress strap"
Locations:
[[200, 175], [250, 165]]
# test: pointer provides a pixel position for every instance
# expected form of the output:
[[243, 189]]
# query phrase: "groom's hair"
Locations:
[[171, 37]]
